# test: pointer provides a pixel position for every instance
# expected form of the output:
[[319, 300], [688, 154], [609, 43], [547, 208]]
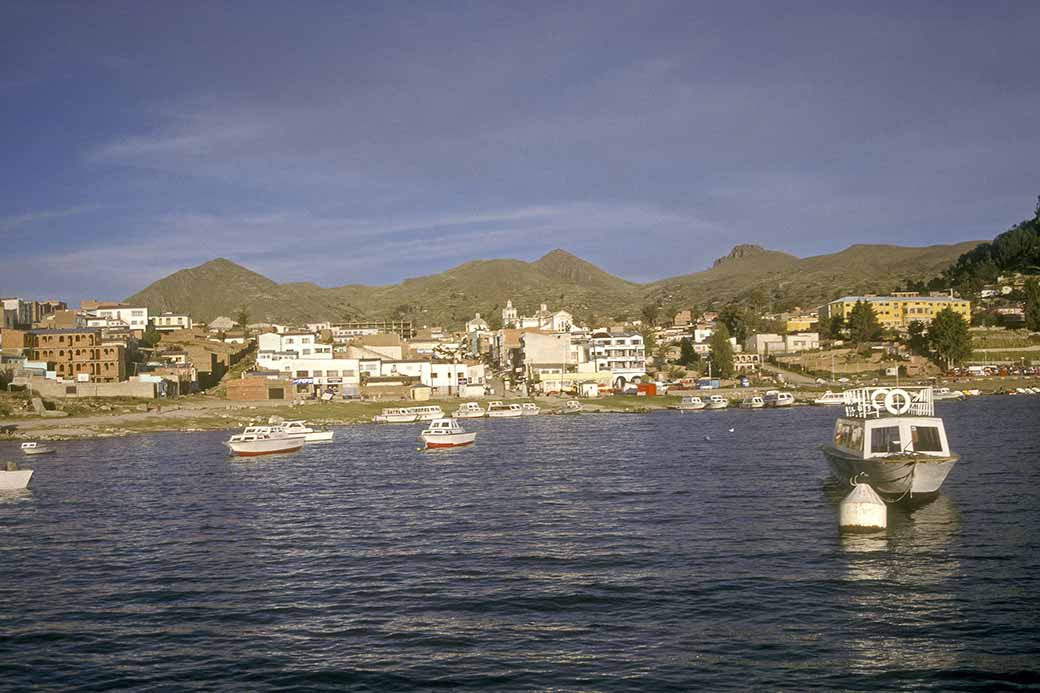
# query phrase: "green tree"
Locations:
[[242, 318], [741, 321], [150, 337], [1032, 309], [863, 323], [649, 314], [687, 356], [721, 351], [949, 338], [918, 340], [835, 326]]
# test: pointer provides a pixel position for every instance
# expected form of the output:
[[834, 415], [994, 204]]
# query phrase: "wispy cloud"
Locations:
[[35, 217]]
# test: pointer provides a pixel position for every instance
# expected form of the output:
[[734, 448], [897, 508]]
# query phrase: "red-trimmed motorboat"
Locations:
[[446, 433]]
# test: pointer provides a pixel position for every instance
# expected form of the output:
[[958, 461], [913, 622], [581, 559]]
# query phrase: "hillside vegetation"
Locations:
[[768, 279]]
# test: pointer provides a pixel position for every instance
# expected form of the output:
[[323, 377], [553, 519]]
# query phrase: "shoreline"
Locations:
[[205, 414]]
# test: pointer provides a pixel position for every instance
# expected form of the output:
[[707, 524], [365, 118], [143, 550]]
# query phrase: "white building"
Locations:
[[133, 317], [621, 354], [275, 348], [169, 322], [477, 324]]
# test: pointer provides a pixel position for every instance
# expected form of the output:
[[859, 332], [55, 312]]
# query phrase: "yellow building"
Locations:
[[801, 323], [900, 309]]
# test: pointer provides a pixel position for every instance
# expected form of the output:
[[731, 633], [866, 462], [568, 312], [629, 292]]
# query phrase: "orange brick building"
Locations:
[[78, 351]]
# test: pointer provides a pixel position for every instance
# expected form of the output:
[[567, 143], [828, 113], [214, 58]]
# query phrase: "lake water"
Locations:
[[592, 552]]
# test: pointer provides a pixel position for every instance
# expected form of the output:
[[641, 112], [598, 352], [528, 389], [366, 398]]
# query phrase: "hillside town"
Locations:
[[115, 350]]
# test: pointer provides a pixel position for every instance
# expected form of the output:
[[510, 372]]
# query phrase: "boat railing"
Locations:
[[875, 402]]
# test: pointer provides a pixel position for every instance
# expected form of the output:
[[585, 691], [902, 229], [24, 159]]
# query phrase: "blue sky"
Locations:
[[368, 142]]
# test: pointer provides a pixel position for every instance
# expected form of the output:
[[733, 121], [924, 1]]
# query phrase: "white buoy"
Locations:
[[862, 510]]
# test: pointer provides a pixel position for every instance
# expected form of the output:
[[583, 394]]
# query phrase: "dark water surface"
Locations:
[[593, 552]]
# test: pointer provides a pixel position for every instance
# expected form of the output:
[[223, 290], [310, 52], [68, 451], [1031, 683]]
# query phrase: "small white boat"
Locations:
[[573, 406], [530, 409], [446, 433], [946, 393], [255, 444], [972, 393], [775, 398], [469, 410], [692, 403], [755, 402], [294, 429], [501, 410], [398, 415], [829, 398], [429, 413], [13, 478], [33, 448], [717, 402]]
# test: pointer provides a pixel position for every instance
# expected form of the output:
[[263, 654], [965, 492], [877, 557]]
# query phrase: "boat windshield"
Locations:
[[885, 439]]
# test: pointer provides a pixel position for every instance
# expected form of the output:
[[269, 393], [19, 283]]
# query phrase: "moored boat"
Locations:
[[428, 413], [33, 448], [396, 415], [14, 479], [776, 398], [754, 402], [446, 433], [891, 439], [258, 443], [501, 410], [469, 410], [530, 409], [946, 393], [829, 398], [717, 402], [691, 403], [573, 406], [297, 429]]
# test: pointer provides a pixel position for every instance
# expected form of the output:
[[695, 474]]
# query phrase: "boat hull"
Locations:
[[469, 414], [255, 448], [716, 405], [453, 440], [894, 476], [319, 437], [37, 451], [505, 414], [15, 481]]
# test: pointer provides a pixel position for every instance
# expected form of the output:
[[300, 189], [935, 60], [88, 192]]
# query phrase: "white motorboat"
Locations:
[[294, 429], [428, 413], [946, 393], [717, 402], [776, 398], [33, 448], [13, 478], [573, 406], [501, 410], [891, 439], [469, 410], [398, 415], [754, 402], [972, 393], [530, 409], [829, 398], [270, 443], [446, 433], [691, 403]]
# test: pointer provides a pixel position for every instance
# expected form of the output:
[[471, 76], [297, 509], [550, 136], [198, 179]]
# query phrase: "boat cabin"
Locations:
[[691, 399], [892, 436], [443, 427], [880, 422]]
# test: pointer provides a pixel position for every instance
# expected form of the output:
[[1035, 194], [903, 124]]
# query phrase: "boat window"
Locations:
[[926, 439], [885, 439]]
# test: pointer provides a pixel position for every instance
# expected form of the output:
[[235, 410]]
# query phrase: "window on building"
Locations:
[[301, 374]]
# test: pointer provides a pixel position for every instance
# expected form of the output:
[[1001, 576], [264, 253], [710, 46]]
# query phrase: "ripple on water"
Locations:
[[594, 552]]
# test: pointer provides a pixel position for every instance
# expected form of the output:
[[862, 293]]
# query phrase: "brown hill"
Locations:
[[766, 278]]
